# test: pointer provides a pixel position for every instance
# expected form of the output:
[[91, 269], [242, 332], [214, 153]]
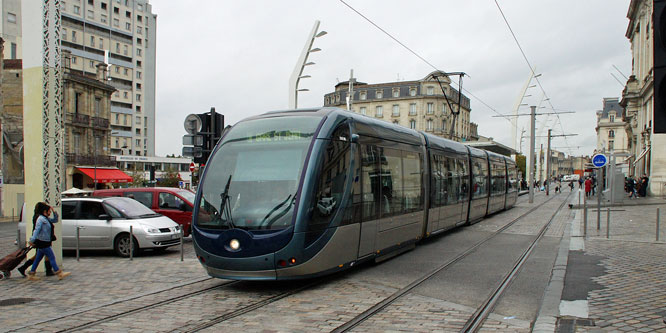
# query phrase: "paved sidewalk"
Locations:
[[616, 284]]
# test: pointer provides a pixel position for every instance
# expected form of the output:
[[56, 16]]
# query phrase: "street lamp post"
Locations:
[[297, 75]]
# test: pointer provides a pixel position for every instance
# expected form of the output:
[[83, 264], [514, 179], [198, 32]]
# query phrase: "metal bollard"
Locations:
[[12, 214], [19, 241], [584, 218], [608, 224], [182, 232], [657, 224], [578, 197], [131, 243], [77, 242]]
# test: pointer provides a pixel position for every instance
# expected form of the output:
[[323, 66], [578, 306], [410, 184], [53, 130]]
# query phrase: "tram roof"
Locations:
[[437, 142]]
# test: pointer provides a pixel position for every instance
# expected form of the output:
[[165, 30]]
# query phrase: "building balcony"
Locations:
[[98, 122], [99, 160], [78, 119]]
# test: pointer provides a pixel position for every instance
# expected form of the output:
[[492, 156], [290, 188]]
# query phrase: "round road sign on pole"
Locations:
[[192, 167], [599, 160]]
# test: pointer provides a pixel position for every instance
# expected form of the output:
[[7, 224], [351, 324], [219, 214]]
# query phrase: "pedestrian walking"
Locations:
[[571, 186], [42, 238], [588, 187], [580, 183], [631, 188]]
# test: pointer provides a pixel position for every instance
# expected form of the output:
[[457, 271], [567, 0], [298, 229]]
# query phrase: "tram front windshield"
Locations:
[[260, 163]]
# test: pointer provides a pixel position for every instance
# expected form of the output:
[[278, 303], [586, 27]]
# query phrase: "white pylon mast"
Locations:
[[516, 106]]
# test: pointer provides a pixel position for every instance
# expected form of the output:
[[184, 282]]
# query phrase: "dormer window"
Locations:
[[396, 92], [611, 118], [412, 91], [363, 95], [379, 93]]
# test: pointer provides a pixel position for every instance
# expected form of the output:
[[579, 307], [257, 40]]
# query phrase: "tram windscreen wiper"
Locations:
[[225, 205], [278, 207]]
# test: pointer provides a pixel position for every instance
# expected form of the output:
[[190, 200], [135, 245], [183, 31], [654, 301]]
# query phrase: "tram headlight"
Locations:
[[234, 244]]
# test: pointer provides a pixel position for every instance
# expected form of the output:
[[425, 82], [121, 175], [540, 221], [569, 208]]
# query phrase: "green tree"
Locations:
[[521, 161], [170, 178]]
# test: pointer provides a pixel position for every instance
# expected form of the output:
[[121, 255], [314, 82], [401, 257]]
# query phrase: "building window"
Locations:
[[139, 7], [611, 118], [124, 94], [92, 41], [363, 110], [11, 17], [429, 125], [91, 2], [139, 18], [430, 91], [444, 125], [77, 10], [611, 134], [379, 111], [431, 108], [611, 145], [125, 49], [138, 75], [117, 143], [138, 41], [396, 110], [98, 106], [125, 120], [73, 36], [138, 86], [138, 63], [138, 108], [128, 26], [101, 43], [137, 132], [77, 143], [412, 124], [64, 34], [103, 5], [412, 109], [117, 69], [396, 92], [128, 14], [379, 93], [117, 118], [116, 22], [138, 121], [92, 64], [139, 30], [138, 52], [91, 14], [363, 95], [74, 60], [116, 10], [138, 97], [125, 71], [412, 91], [103, 18]]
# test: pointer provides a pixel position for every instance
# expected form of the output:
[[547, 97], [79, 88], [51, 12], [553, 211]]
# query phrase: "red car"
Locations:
[[174, 203]]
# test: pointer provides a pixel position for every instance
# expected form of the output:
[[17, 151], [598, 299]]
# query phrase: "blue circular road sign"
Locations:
[[599, 160]]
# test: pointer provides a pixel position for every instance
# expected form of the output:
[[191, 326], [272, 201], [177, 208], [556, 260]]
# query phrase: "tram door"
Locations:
[[370, 198]]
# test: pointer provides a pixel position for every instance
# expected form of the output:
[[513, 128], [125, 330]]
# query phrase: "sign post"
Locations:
[[599, 161]]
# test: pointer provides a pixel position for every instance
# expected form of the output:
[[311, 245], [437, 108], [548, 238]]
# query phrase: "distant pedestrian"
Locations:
[[571, 186], [644, 184], [631, 187], [580, 183], [42, 238], [588, 187]]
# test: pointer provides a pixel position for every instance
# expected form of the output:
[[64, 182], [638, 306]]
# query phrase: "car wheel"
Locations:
[[122, 246]]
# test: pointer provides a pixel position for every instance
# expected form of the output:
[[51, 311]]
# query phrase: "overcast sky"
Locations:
[[238, 55]]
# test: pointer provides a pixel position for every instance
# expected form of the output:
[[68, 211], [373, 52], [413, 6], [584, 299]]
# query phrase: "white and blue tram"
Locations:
[[302, 193]]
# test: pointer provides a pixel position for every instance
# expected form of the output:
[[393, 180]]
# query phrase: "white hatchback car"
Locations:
[[105, 224]]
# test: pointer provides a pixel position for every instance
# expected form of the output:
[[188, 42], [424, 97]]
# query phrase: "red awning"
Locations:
[[106, 175]]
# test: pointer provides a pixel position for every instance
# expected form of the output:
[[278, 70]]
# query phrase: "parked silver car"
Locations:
[[105, 224]]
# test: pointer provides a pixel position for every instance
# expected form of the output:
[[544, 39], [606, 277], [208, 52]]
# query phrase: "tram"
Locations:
[[304, 193]]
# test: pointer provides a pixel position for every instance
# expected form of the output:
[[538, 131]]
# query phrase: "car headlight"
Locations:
[[151, 230]]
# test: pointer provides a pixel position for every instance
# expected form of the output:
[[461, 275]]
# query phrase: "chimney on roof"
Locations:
[[101, 72]]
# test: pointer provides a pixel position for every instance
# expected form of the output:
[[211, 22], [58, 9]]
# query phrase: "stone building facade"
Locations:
[[611, 128], [419, 104], [87, 109], [638, 101]]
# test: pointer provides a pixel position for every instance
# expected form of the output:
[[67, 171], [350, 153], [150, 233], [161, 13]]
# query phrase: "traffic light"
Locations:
[[204, 130], [659, 110]]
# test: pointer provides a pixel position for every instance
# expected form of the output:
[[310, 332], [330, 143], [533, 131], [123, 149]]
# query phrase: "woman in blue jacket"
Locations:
[[41, 239]]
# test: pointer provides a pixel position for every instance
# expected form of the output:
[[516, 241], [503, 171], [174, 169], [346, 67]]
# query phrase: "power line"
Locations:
[[416, 54], [531, 68]]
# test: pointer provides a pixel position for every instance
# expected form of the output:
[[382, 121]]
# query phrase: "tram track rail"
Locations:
[[475, 322], [380, 306], [121, 301]]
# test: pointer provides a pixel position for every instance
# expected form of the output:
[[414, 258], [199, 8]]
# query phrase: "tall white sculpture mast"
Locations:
[[516, 106]]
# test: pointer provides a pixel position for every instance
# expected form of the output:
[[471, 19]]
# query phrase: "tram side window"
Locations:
[[451, 180], [480, 183], [370, 182], [333, 170], [357, 199], [438, 182], [411, 162], [391, 183], [498, 180], [463, 171], [513, 181]]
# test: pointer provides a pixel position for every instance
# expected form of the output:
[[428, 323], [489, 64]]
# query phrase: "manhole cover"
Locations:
[[15, 301]]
